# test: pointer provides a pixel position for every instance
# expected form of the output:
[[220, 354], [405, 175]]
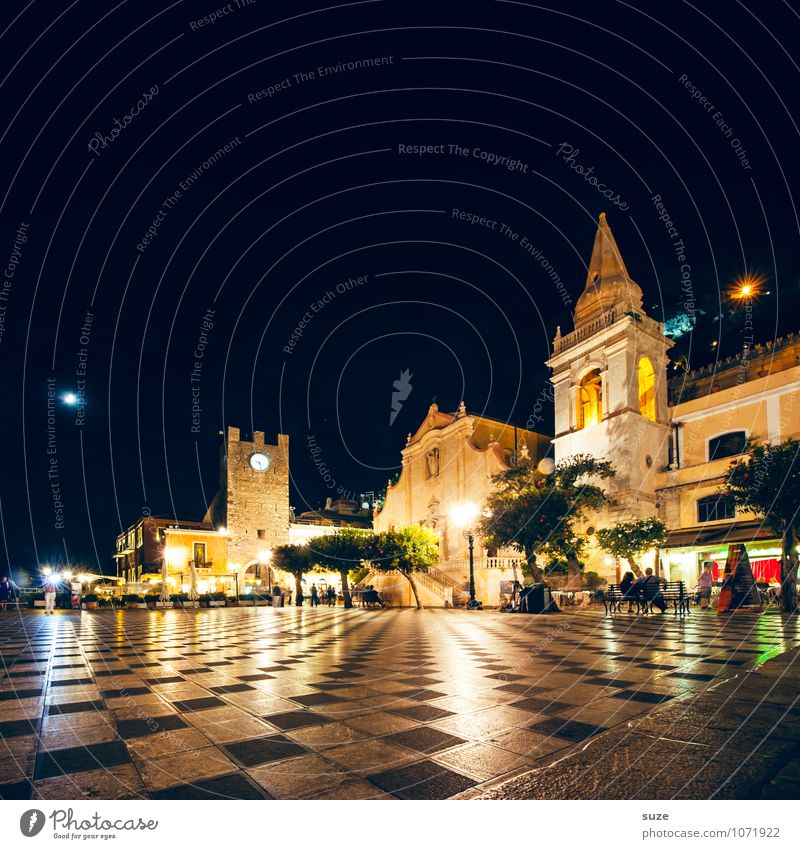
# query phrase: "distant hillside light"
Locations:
[[71, 398]]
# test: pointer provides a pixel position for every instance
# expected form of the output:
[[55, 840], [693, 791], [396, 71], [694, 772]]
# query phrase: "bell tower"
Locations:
[[253, 500], [610, 382]]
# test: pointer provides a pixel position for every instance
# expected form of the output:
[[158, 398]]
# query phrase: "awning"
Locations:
[[704, 536]]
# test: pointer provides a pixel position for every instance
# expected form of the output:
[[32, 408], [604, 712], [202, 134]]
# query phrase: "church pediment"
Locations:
[[434, 420]]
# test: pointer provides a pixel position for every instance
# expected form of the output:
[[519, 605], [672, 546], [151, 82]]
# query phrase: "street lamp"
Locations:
[[463, 516]]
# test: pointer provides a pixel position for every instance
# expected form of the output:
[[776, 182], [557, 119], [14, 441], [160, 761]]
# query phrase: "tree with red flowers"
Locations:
[[536, 512], [767, 483]]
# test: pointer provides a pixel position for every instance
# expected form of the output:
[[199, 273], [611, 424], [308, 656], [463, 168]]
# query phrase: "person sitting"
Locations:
[[649, 589], [626, 589]]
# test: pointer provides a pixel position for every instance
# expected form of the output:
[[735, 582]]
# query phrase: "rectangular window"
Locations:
[[262, 534], [199, 553], [139, 537], [714, 508]]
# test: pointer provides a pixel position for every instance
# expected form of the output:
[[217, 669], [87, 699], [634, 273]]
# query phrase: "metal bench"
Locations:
[[674, 593]]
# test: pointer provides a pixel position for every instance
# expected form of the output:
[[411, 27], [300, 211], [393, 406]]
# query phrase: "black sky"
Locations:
[[315, 192]]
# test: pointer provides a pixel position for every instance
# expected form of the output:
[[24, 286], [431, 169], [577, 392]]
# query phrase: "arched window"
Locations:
[[590, 400], [647, 389], [727, 445]]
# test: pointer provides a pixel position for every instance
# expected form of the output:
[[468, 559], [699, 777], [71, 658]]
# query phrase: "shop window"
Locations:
[[590, 400], [647, 389], [713, 508], [727, 445]]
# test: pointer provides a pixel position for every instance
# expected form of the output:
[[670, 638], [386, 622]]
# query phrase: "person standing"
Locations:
[[704, 584], [50, 590], [5, 593], [314, 596], [331, 596]]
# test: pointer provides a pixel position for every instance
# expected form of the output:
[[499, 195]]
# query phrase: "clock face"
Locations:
[[259, 462]]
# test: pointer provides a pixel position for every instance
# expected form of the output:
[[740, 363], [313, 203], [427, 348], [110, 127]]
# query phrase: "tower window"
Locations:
[[590, 400], [713, 508], [727, 445], [647, 389], [262, 534]]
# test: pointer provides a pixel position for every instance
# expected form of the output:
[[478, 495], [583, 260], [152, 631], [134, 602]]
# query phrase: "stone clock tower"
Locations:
[[610, 384], [253, 500]]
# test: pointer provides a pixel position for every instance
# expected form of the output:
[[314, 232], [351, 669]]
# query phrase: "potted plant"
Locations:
[[150, 600], [105, 602], [90, 600], [213, 599], [246, 600], [133, 600]]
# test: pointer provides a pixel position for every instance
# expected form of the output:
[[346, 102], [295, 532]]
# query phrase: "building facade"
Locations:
[[450, 461], [670, 442]]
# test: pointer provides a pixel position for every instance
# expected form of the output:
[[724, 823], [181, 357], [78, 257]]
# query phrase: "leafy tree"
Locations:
[[408, 550], [767, 483], [294, 559], [341, 552], [536, 512], [630, 539]]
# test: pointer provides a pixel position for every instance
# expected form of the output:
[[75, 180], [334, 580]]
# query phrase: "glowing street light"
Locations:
[[463, 516], [71, 399]]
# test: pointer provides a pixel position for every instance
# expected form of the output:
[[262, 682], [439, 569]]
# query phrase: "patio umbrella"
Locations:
[[192, 595], [164, 584]]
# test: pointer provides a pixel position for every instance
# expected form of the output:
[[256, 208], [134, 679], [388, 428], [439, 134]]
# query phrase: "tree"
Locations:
[[536, 512], [341, 552], [767, 483], [408, 550], [294, 559], [630, 539]]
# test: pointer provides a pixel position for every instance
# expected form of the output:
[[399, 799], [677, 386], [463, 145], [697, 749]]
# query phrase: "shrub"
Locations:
[[90, 597], [133, 598]]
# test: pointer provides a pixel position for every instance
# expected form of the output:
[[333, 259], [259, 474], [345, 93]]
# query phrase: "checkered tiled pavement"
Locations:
[[326, 703]]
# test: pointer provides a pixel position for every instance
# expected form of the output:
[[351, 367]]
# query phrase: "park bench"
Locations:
[[674, 593]]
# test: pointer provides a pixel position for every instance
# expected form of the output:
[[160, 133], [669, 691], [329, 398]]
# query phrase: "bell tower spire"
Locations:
[[609, 289]]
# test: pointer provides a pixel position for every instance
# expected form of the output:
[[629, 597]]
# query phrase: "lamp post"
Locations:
[[463, 516]]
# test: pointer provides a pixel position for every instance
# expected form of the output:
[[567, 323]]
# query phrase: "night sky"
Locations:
[[180, 196]]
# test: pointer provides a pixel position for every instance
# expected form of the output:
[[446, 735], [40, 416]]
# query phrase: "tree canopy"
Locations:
[[536, 512], [296, 560], [767, 483], [630, 539], [407, 550], [341, 552]]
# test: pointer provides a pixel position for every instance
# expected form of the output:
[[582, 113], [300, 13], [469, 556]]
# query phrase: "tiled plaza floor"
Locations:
[[338, 704]]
